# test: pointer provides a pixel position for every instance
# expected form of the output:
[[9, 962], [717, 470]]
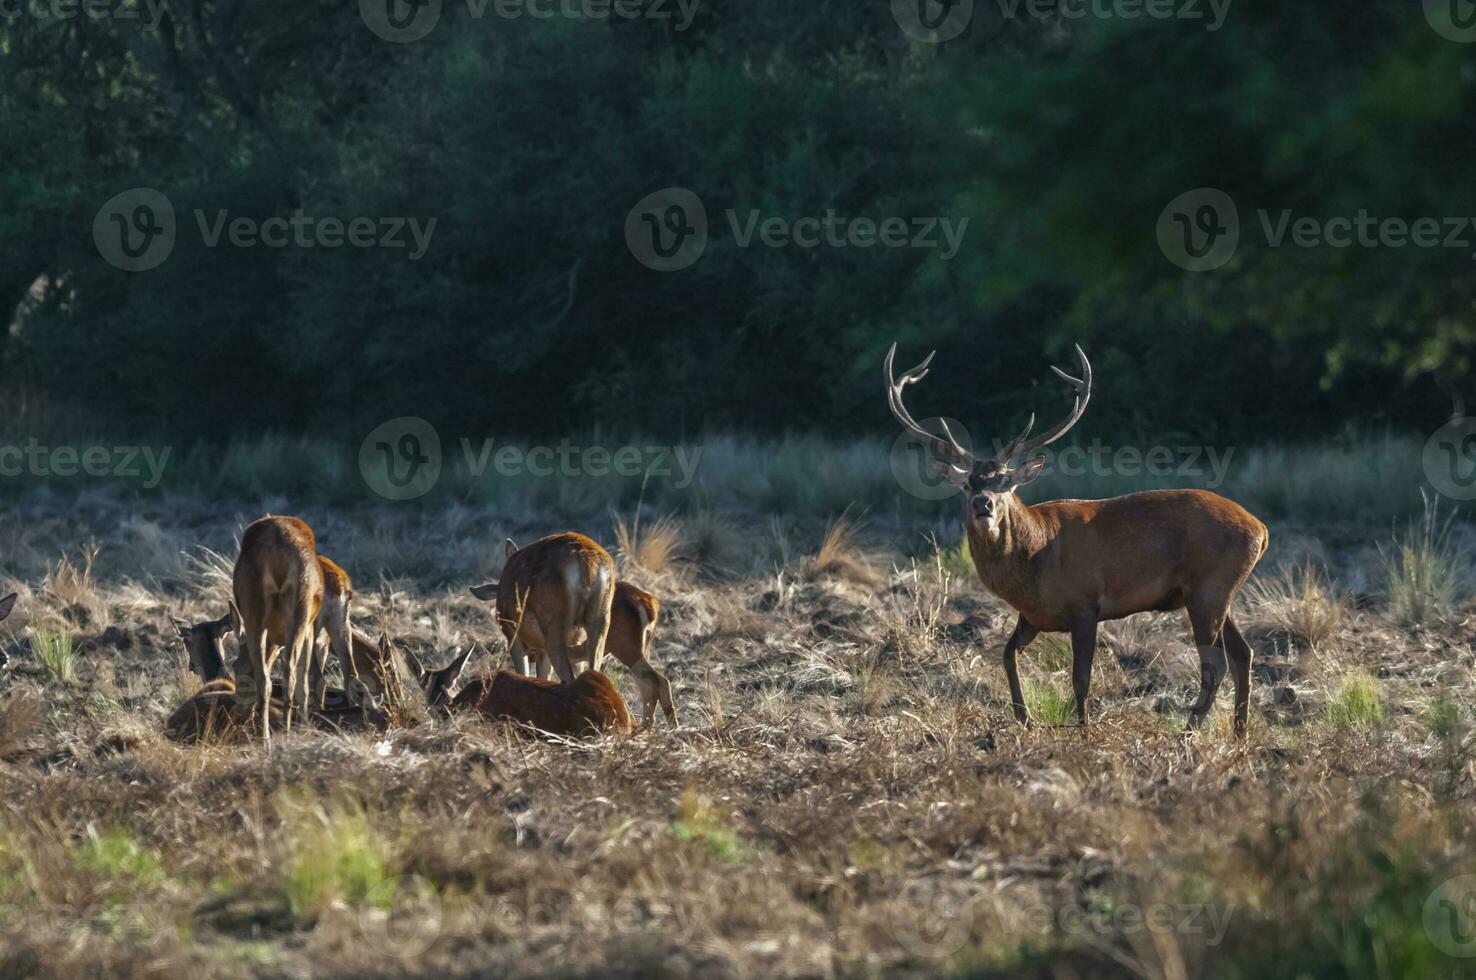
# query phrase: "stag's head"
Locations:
[[988, 485]]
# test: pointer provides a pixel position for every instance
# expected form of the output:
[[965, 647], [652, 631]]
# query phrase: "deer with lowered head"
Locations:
[[1067, 565], [278, 589], [554, 600], [633, 616]]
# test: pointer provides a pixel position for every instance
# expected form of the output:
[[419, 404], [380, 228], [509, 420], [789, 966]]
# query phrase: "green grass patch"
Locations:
[[1047, 705], [336, 856], [56, 655], [1356, 704], [697, 821]]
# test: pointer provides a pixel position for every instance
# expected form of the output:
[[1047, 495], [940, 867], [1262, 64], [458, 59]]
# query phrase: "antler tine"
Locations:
[[946, 448], [1083, 388], [1013, 446]]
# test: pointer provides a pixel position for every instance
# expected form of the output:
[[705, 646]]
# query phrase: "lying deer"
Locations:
[[590, 705], [633, 616], [278, 587], [1067, 565], [205, 643], [553, 592]]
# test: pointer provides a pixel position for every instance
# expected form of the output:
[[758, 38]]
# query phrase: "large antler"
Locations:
[[945, 447], [1022, 446]]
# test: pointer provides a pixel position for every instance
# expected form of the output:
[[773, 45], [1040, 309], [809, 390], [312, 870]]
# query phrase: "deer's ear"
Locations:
[[1027, 472], [7, 604], [512, 548], [950, 474], [486, 592], [452, 671]]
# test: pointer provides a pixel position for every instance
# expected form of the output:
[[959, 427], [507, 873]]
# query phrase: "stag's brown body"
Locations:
[[554, 598], [1067, 565], [278, 587], [590, 705]]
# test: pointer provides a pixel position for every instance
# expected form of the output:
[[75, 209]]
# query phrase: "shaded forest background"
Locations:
[[1061, 141]]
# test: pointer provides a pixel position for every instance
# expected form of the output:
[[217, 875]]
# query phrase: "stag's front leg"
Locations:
[[1083, 652], [1019, 640]]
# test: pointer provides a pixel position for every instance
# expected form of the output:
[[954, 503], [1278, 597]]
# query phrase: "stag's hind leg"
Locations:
[[1208, 620], [1240, 664]]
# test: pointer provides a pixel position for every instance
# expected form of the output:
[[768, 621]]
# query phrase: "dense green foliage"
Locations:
[[529, 141]]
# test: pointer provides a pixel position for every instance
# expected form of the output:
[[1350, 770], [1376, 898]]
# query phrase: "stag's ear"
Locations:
[[7, 604], [486, 593], [950, 474], [1027, 473], [511, 547]]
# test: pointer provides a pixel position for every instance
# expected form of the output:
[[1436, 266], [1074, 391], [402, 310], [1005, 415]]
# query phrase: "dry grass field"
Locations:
[[845, 794]]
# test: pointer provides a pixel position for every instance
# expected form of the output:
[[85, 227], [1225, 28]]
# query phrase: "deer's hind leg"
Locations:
[[1240, 664], [1207, 617]]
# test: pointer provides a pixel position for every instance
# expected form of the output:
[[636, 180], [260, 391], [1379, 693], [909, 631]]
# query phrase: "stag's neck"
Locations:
[[1003, 556]]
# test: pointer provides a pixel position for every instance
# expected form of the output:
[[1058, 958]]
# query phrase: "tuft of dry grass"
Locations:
[[1298, 602], [654, 548], [841, 556]]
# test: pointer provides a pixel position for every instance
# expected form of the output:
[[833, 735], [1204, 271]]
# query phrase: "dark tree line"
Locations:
[[529, 141]]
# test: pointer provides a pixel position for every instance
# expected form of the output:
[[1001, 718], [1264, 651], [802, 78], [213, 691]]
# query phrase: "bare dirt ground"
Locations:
[[845, 795]]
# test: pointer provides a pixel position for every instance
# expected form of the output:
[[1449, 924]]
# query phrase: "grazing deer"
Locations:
[[633, 616], [551, 592], [278, 587], [333, 618], [590, 705], [205, 643], [1067, 565]]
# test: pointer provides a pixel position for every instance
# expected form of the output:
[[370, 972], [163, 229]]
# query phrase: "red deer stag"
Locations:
[[278, 587], [590, 705], [1067, 565], [552, 591]]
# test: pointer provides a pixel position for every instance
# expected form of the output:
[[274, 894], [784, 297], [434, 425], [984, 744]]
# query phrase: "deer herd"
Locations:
[[1063, 566]]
